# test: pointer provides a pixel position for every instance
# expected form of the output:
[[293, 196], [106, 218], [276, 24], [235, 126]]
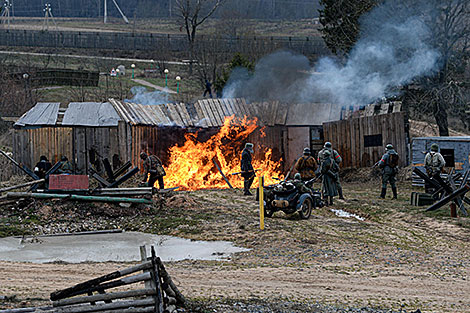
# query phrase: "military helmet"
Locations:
[[434, 147], [143, 155], [327, 144], [327, 153], [64, 158], [249, 147], [307, 150], [297, 176], [389, 147]]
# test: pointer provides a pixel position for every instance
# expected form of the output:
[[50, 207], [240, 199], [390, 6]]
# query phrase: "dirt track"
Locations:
[[398, 257]]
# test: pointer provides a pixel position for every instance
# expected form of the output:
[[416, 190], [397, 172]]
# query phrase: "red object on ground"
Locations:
[[67, 182]]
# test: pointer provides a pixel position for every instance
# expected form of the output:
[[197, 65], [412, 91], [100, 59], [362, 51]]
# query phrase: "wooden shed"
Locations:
[[119, 131], [84, 132]]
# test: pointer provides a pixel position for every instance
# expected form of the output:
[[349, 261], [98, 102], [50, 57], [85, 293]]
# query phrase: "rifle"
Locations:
[[242, 172], [290, 170], [376, 164]]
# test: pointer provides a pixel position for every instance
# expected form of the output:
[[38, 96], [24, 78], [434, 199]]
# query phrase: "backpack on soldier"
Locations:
[[393, 160]]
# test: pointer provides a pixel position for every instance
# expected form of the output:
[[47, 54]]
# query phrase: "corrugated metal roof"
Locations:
[[204, 113], [312, 114], [94, 114], [42, 114]]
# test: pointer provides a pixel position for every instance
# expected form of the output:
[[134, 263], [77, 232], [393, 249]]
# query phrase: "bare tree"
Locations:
[[191, 14], [445, 92]]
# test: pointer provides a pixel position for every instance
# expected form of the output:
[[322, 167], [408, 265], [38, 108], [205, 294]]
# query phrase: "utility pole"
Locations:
[[47, 15], [105, 11], [117, 7], [6, 12]]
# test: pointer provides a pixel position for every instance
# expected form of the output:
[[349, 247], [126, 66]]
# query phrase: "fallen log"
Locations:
[[80, 233], [27, 310], [76, 197], [68, 292], [22, 185]]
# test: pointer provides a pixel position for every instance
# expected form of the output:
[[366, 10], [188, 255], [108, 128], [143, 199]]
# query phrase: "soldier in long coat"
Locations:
[[329, 177], [337, 159], [248, 173]]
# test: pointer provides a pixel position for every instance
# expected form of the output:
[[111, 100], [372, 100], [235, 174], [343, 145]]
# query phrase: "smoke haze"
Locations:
[[393, 49], [142, 96]]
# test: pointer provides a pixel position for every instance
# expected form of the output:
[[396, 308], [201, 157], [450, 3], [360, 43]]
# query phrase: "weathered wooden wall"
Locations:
[[347, 137], [77, 143]]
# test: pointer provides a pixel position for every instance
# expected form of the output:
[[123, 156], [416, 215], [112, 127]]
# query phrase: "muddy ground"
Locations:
[[398, 258]]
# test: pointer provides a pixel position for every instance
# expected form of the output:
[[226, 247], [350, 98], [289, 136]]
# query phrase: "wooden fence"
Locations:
[[160, 294], [152, 42], [361, 141]]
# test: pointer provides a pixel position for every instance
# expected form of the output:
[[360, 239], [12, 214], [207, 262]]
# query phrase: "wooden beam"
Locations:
[[216, 163], [22, 185], [103, 297], [21, 167]]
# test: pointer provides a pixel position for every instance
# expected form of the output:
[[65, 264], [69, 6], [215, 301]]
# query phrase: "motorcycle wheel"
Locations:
[[306, 209], [268, 212]]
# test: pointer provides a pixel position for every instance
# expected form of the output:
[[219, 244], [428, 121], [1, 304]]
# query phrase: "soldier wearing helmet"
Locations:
[[389, 165], [337, 158], [153, 170], [329, 177], [248, 172], [306, 165], [434, 163]]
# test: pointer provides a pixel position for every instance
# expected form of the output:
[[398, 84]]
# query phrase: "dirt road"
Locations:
[[398, 257]]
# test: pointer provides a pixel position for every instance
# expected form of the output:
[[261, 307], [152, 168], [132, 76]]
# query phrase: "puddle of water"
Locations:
[[119, 247], [342, 213]]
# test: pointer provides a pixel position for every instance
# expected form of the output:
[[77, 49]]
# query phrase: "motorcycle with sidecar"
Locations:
[[290, 197]]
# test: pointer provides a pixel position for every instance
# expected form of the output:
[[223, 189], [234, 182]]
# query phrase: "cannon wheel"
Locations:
[[306, 209]]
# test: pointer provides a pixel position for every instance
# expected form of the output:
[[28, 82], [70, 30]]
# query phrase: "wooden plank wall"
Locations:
[[347, 137], [30, 144], [75, 143]]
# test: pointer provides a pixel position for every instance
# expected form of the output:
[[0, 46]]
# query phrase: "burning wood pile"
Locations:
[[205, 165], [159, 295]]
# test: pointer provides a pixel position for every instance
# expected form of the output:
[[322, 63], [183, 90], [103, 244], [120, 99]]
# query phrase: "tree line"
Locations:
[[259, 9]]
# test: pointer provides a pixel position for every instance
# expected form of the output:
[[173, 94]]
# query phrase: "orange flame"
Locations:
[[191, 166]]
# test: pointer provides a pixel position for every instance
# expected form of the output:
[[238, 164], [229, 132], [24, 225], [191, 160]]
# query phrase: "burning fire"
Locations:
[[192, 165]]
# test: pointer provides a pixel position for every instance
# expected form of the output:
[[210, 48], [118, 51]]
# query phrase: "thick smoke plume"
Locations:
[[142, 96], [393, 49]]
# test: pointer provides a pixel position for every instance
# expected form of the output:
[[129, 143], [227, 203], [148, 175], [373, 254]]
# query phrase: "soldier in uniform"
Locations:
[[153, 170], [329, 177], [248, 172], [389, 165], [299, 183], [337, 158], [66, 167], [434, 163], [306, 165]]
